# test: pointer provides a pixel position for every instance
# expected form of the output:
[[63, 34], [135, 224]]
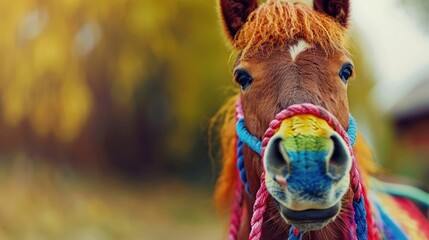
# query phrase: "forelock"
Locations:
[[276, 23]]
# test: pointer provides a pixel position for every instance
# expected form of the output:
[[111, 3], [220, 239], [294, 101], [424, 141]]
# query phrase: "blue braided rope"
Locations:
[[358, 205], [352, 130], [360, 219], [240, 165], [253, 142]]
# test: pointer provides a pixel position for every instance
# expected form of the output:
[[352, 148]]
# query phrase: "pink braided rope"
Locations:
[[262, 194], [238, 190], [239, 109], [259, 210], [236, 211]]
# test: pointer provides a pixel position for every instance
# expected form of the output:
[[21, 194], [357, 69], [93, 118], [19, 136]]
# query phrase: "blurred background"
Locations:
[[105, 106]]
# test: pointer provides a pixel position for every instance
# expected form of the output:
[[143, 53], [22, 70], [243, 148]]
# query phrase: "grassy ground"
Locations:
[[38, 202]]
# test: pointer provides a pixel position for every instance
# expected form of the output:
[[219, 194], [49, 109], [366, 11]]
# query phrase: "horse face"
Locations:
[[306, 161], [293, 75], [291, 54]]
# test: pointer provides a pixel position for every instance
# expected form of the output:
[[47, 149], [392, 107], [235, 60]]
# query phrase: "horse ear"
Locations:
[[338, 9], [234, 14]]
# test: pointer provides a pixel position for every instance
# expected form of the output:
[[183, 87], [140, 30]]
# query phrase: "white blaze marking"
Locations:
[[298, 48]]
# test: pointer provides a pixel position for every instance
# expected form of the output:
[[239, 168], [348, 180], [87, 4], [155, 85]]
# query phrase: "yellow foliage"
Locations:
[[40, 116], [13, 107], [38, 44], [129, 69], [75, 105], [51, 53]]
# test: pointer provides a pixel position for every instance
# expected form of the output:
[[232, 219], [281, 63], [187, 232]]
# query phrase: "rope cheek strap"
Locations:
[[360, 203]]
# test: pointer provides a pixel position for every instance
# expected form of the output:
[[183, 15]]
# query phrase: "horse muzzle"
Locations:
[[307, 165]]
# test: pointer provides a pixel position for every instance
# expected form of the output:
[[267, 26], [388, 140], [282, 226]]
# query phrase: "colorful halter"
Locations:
[[365, 228]]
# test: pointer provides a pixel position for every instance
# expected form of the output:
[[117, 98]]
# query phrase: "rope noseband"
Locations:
[[364, 222]]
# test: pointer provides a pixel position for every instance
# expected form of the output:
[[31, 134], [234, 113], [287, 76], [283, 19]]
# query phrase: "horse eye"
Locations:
[[243, 78], [346, 72]]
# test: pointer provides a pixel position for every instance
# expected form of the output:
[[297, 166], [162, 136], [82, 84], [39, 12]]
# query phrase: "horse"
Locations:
[[293, 165]]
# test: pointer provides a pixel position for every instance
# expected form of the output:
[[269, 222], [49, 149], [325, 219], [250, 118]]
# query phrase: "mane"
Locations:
[[226, 130], [225, 185], [276, 23]]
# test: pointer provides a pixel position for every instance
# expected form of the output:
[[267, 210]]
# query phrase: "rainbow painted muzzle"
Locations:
[[328, 177], [307, 167]]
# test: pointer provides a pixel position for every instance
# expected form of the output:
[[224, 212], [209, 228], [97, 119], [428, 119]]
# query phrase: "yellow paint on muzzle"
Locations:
[[305, 133]]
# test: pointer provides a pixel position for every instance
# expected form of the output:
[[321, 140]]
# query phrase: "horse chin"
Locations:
[[311, 226], [311, 219]]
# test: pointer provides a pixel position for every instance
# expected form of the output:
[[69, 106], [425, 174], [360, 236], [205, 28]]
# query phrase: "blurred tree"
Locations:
[[131, 83]]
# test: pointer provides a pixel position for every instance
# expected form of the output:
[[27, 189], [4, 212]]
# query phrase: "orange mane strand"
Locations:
[[225, 184], [365, 159]]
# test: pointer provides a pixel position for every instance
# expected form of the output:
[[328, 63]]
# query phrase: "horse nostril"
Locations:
[[276, 160], [339, 160]]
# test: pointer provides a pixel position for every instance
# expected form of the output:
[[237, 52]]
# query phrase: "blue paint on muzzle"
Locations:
[[308, 174]]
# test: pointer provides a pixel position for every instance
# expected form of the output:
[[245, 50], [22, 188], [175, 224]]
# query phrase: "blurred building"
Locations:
[[410, 116]]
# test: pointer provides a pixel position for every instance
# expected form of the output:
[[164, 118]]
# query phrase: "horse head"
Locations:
[[290, 53]]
